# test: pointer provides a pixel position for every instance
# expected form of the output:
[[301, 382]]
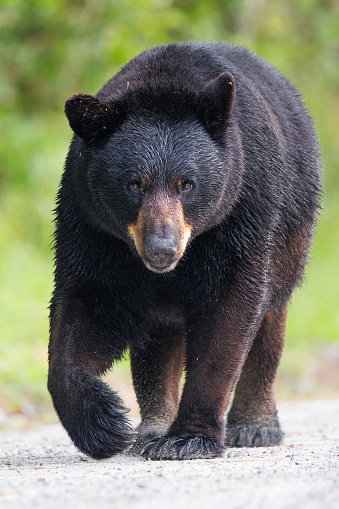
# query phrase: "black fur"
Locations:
[[94, 417], [205, 154], [175, 448], [251, 435]]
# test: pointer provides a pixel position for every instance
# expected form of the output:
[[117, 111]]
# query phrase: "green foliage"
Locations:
[[51, 49]]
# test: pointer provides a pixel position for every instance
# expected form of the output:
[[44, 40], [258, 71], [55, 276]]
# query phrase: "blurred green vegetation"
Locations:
[[50, 49]]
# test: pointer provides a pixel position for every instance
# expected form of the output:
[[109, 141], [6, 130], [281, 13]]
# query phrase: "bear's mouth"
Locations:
[[160, 269]]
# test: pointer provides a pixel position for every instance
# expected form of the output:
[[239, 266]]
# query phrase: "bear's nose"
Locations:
[[160, 251]]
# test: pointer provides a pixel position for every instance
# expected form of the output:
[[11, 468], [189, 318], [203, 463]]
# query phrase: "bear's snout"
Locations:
[[160, 253], [160, 233]]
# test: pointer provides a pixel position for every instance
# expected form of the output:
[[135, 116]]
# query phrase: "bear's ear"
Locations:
[[89, 117], [216, 103]]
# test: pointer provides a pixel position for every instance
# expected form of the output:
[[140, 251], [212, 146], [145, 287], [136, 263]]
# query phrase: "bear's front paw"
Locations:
[[94, 417], [104, 433], [182, 448], [254, 435]]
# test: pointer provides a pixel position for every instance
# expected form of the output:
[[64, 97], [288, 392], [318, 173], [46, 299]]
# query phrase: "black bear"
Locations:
[[183, 223]]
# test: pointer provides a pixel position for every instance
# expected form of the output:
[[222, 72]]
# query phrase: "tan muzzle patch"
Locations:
[[157, 216], [135, 231]]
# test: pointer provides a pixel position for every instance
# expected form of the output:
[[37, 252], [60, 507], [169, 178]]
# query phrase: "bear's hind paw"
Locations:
[[144, 437], [254, 435]]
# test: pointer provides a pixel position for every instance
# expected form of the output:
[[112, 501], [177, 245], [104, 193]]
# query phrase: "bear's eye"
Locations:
[[185, 185], [135, 186]]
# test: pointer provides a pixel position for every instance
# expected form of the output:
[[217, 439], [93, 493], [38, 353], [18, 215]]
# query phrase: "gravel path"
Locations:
[[40, 468]]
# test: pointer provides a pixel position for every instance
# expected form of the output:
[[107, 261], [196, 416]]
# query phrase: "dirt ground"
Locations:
[[40, 468]]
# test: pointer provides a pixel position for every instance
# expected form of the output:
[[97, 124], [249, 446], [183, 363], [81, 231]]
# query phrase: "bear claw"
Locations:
[[182, 448], [254, 435]]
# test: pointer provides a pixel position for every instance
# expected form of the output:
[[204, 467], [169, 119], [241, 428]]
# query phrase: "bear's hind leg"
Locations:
[[82, 347], [252, 420], [156, 371]]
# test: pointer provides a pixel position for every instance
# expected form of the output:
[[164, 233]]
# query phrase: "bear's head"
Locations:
[[153, 167]]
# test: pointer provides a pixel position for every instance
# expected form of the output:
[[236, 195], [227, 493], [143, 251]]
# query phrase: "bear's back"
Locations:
[[190, 66]]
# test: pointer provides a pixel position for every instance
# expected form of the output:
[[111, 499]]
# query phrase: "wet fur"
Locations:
[[233, 122]]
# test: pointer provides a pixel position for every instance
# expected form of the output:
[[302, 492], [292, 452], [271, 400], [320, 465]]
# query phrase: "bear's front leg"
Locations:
[[217, 346], [82, 347]]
